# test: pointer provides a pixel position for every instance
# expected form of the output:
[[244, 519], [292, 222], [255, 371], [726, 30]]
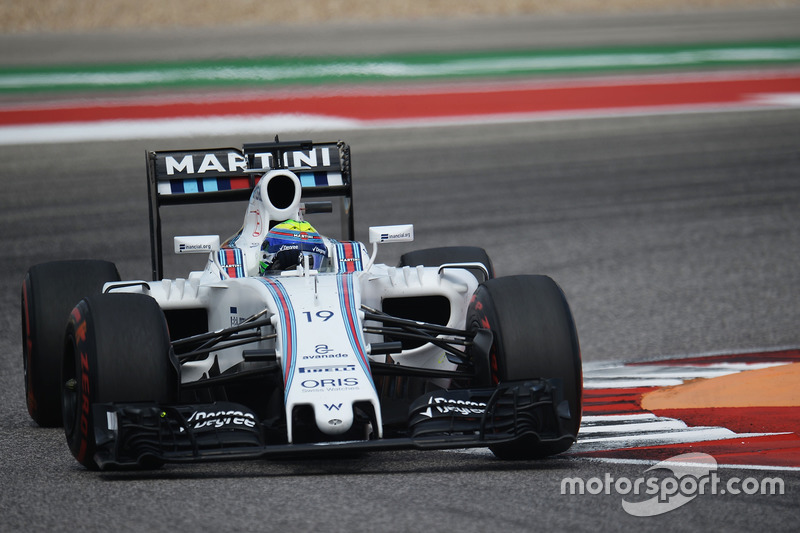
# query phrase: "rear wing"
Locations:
[[180, 177]]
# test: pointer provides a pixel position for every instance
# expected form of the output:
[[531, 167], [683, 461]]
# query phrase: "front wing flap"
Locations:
[[141, 434]]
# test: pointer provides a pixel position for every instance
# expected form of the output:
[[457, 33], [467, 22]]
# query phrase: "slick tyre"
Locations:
[[49, 292], [448, 254], [534, 337], [116, 349]]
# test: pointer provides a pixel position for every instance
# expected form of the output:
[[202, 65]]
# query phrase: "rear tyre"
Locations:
[[534, 337], [448, 254], [49, 292], [116, 349]]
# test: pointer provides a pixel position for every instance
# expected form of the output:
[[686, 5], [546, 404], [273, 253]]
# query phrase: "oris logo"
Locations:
[[329, 383]]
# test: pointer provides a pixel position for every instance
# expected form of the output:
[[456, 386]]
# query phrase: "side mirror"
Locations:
[[384, 234], [398, 233]]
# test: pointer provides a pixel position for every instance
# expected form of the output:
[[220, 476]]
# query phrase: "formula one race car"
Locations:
[[290, 342]]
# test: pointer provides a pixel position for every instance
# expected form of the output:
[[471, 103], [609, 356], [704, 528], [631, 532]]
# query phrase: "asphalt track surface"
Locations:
[[671, 235]]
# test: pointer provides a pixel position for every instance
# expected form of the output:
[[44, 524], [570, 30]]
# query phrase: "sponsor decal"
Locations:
[[186, 248], [322, 351], [221, 419], [320, 156], [235, 318], [234, 162], [205, 163], [329, 384], [317, 369], [449, 406], [395, 236], [327, 356]]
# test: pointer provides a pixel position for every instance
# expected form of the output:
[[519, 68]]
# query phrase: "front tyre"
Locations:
[[116, 349], [49, 292], [534, 337]]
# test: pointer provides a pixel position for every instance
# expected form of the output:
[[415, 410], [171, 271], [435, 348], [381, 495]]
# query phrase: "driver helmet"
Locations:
[[287, 243]]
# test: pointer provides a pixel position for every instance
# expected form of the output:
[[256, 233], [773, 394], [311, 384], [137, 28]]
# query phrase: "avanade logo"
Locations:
[[671, 484]]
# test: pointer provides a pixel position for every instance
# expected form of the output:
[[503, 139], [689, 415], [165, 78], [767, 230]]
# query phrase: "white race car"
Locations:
[[258, 355]]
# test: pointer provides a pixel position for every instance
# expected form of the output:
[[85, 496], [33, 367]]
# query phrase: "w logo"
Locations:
[[332, 406]]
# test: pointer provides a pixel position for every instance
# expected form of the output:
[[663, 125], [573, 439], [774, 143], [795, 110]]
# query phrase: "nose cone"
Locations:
[[333, 418]]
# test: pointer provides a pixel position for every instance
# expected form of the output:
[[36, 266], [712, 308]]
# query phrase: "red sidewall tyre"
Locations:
[[49, 292], [117, 349]]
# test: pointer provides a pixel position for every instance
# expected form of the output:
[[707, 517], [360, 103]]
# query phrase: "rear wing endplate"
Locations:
[[180, 177]]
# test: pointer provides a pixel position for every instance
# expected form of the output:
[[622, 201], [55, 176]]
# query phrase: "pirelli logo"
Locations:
[[325, 369]]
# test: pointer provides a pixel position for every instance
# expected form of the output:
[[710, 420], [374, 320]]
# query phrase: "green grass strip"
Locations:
[[281, 71]]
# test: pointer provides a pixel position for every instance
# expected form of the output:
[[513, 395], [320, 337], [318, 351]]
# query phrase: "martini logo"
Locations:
[[230, 162]]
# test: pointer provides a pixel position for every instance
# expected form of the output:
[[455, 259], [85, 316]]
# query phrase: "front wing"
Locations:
[[141, 434]]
